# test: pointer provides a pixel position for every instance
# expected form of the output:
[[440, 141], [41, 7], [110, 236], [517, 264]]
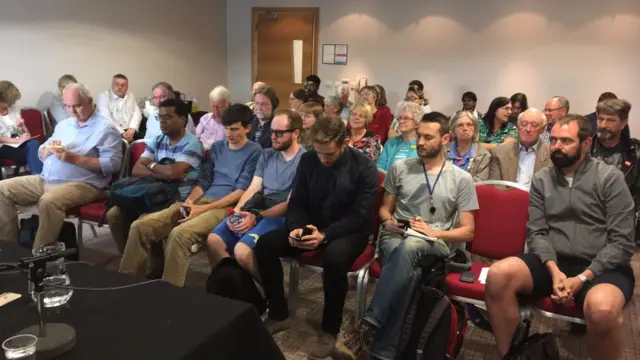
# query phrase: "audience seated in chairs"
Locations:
[[16, 143], [310, 113], [344, 92], [210, 128], [79, 160], [424, 194], [265, 103], [52, 103], [580, 239], [402, 146], [312, 85], [519, 104], [162, 91], [518, 161], [465, 151], [414, 95], [120, 106], [333, 196], [332, 105], [172, 156], [264, 203], [224, 177], [556, 107], [495, 128], [593, 117], [469, 100], [358, 137]]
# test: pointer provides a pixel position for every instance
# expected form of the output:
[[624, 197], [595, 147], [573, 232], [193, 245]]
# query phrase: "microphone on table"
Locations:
[[54, 339]]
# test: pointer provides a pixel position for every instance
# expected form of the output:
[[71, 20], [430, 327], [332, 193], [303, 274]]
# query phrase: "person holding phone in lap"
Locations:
[[424, 195]]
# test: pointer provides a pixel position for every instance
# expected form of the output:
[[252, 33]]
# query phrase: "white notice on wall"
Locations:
[[328, 54]]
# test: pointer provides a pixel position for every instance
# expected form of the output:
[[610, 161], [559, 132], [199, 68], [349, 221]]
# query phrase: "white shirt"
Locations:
[[124, 113], [526, 163], [8, 123]]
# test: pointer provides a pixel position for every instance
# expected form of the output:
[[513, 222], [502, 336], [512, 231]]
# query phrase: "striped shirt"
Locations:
[[188, 150]]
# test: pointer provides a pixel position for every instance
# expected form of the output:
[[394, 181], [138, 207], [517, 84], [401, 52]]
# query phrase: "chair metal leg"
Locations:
[[361, 293], [294, 279], [93, 230], [79, 236]]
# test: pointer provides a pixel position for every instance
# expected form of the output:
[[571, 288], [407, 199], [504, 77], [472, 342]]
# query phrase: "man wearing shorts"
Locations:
[[580, 237], [263, 205]]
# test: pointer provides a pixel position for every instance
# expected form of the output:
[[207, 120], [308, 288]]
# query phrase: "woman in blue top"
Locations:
[[402, 146]]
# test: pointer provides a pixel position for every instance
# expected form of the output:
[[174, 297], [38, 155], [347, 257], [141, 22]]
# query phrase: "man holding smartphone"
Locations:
[[423, 194], [330, 210]]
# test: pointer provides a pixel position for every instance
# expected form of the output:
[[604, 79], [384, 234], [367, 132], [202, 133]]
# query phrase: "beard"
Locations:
[[604, 134], [562, 160], [283, 146], [425, 152]]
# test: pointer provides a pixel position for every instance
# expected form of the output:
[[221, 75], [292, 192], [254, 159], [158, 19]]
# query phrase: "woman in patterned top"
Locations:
[[495, 128], [358, 137]]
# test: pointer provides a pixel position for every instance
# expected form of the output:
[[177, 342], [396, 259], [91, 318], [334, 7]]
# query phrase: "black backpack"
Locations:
[[434, 326], [29, 228], [534, 347], [230, 280]]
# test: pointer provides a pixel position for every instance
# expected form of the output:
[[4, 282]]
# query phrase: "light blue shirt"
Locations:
[[526, 162], [97, 138], [396, 149], [153, 126]]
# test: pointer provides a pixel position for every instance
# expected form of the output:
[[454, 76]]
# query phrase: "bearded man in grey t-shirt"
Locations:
[[423, 194]]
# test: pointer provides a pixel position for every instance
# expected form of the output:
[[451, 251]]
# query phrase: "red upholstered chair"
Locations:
[[312, 260], [90, 214], [135, 151], [500, 232], [568, 311]]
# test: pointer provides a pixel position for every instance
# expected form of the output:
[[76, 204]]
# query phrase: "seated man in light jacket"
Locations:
[[120, 106], [79, 160], [517, 161], [580, 237]]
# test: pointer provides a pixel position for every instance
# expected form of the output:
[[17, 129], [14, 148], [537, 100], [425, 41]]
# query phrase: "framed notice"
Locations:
[[335, 54]]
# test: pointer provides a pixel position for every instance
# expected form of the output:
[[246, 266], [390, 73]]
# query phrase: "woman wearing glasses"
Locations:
[[358, 137], [402, 146], [495, 128], [416, 96], [464, 151]]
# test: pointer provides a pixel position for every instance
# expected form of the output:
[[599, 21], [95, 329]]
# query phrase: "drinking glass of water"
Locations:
[[53, 295], [20, 347]]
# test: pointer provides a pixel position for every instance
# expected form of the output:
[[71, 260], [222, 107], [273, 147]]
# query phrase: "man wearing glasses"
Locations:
[[263, 205], [556, 107], [518, 161], [264, 103]]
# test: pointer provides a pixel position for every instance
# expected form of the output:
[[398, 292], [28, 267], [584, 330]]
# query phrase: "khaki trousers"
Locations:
[[154, 228], [53, 200]]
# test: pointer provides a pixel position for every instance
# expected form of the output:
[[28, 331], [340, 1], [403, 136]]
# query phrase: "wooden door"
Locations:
[[285, 42]]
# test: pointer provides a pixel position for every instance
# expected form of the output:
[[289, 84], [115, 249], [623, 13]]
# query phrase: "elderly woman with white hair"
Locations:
[[333, 106], [343, 93], [465, 151], [402, 146], [210, 128]]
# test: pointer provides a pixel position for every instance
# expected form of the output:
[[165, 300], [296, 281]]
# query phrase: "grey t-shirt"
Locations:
[[277, 174], [454, 192]]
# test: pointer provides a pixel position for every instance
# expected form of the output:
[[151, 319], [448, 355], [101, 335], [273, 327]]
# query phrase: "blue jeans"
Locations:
[[400, 276], [231, 238]]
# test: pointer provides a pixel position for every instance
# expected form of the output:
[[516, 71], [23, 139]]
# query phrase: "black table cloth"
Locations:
[[152, 321]]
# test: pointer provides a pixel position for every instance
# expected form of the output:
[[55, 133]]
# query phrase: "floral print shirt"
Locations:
[[498, 137], [369, 145]]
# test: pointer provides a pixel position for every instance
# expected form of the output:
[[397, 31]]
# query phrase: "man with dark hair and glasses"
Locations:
[[263, 204], [330, 210], [580, 240]]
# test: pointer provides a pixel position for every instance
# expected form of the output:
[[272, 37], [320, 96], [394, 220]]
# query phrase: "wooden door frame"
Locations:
[[254, 34]]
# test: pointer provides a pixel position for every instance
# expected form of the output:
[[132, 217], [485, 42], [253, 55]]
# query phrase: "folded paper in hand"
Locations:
[[483, 275], [411, 232]]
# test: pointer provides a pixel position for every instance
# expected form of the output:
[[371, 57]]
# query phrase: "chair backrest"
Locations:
[[136, 149], [501, 220], [34, 121], [377, 204]]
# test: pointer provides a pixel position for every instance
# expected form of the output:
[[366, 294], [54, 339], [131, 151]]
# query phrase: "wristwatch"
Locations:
[[152, 165], [582, 278]]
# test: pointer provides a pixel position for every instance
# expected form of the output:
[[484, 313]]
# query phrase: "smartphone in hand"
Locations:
[[305, 231], [185, 211]]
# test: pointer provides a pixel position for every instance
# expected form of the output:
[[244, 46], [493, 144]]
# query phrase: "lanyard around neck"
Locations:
[[432, 208]]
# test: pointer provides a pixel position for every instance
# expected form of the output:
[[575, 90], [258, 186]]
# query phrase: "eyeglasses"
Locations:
[[404, 118], [463, 125], [280, 133], [411, 98]]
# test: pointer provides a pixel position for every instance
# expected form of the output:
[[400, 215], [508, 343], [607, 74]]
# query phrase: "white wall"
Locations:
[[543, 48], [183, 43]]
